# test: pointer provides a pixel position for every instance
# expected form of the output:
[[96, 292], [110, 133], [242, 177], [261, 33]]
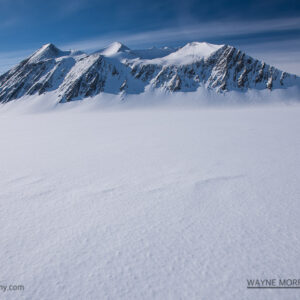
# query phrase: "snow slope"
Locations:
[[149, 204], [114, 49], [189, 54]]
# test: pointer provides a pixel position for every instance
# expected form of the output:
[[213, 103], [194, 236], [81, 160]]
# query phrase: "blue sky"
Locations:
[[266, 29]]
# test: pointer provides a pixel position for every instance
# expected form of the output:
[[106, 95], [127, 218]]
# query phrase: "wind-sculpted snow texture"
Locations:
[[119, 70], [149, 204]]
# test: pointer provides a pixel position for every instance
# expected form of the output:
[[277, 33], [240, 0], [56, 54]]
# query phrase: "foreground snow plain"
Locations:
[[181, 203]]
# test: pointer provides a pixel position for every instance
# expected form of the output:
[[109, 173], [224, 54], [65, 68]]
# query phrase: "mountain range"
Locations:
[[116, 69]]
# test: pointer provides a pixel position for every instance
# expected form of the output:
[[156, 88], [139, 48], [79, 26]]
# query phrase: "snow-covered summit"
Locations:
[[118, 69], [113, 49], [47, 51], [190, 53], [196, 50], [50, 51]]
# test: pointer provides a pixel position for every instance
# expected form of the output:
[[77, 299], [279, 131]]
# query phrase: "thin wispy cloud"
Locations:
[[200, 31], [6, 23], [283, 55], [11, 58], [69, 7]]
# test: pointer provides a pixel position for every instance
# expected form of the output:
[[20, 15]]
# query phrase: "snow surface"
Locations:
[[154, 203], [113, 49], [48, 51], [124, 54], [188, 54]]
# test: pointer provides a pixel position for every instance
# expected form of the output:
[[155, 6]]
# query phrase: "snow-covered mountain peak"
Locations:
[[47, 51], [114, 48], [200, 48], [50, 51], [193, 51], [48, 46], [187, 54]]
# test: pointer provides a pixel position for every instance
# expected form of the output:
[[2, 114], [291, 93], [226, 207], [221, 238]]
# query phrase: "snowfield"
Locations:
[[178, 203]]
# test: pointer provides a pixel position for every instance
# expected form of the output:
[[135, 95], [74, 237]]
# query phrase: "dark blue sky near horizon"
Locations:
[[266, 28]]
